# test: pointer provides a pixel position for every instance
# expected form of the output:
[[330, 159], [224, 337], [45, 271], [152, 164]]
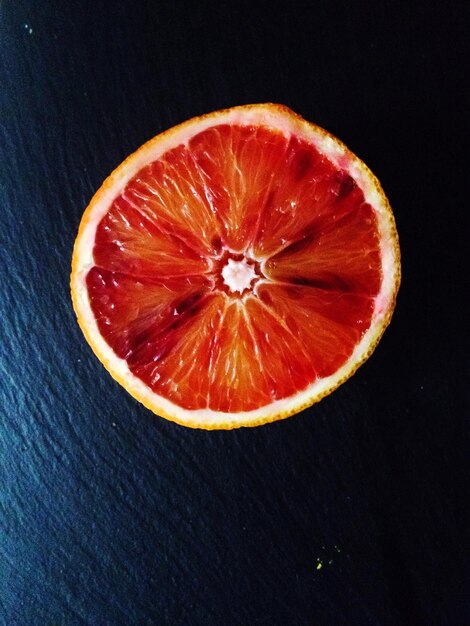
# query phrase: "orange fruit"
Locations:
[[236, 268]]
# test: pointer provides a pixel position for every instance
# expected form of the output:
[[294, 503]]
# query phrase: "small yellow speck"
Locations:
[[319, 565]]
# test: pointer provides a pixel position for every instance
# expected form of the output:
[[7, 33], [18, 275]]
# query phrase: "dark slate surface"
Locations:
[[112, 516]]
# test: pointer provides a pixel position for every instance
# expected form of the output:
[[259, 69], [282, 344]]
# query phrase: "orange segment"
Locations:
[[246, 337], [344, 255], [133, 240], [310, 193], [240, 166], [172, 191], [179, 354], [236, 268], [131, 311], [328, 324]]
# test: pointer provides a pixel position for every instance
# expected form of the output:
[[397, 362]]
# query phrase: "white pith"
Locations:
[[238, 275]]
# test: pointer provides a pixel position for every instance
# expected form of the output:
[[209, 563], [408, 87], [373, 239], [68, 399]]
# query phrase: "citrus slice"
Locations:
[[236, 268]]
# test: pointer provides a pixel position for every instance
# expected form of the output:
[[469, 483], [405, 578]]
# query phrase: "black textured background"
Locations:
[[113, 516]]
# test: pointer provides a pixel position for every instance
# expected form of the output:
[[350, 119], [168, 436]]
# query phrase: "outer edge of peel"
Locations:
[[113, 183]]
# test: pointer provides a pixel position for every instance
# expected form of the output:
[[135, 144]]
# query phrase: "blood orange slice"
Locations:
[[236, 268]]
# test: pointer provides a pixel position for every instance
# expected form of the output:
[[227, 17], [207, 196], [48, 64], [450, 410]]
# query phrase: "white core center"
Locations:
[[238, 275]]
